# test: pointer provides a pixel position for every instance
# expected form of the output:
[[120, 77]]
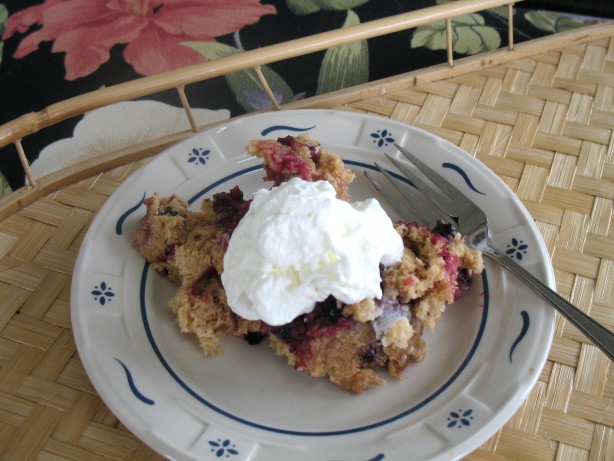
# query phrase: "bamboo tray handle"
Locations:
[[15, 130]]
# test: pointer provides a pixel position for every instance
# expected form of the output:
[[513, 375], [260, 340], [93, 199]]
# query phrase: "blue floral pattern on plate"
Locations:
[[382, 137], [199, 156], [223, 448], [103, 293], [461, 418], [516, 249]]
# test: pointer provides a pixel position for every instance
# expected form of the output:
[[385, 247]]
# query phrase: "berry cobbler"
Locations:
[[345, 339]]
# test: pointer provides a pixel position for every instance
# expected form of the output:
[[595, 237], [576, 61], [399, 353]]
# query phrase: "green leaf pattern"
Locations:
[[303, 7], [345, 65], [348, 65], [5, 189], [502, 12], [342, 66], [552, 22], [245, 84], [470, 35]]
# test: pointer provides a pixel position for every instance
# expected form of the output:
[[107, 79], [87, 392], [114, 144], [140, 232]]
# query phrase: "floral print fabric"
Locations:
[[55, 49], [152, 30]]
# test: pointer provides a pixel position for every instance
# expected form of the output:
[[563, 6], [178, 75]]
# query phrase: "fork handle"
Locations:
[[601, 336]]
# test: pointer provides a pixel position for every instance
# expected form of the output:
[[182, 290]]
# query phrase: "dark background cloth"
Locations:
[[38, 80], [594, 8]]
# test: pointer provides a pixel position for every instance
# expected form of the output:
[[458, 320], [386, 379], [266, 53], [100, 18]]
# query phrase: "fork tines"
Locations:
[[409, 210], [428, 203], [450, 200]]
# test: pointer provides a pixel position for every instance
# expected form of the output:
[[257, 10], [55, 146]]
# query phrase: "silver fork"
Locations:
[[427, 204]]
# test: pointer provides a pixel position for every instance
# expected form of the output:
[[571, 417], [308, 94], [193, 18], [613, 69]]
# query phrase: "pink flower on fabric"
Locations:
[[153, 30]]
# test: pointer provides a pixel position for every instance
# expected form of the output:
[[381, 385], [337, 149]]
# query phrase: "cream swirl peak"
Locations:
[[299, 244]]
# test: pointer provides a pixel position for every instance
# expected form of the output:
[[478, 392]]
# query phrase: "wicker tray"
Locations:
[[541, 118]]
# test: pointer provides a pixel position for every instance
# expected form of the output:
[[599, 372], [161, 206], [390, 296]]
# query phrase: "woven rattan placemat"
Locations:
[[545, 124]]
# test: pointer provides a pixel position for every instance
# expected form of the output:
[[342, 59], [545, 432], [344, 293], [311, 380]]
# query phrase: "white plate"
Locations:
[[247, 404]]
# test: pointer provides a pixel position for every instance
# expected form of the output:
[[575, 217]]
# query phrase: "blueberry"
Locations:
[[368, 354], [254, 337], [443, 229], [169, 211], [463, 278]]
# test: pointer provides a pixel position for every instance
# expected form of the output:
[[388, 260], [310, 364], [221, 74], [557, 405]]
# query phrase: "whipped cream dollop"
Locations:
[[298, 244]]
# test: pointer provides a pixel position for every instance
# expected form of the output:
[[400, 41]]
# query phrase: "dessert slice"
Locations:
[[346, 342]]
